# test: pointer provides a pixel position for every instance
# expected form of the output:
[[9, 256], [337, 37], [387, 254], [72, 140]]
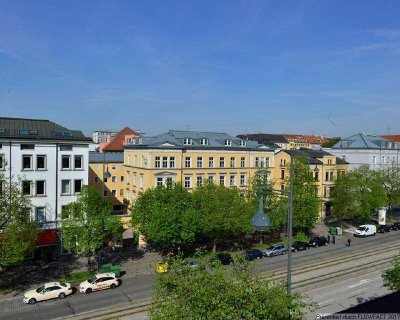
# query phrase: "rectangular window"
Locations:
[[267, 162], [40, 162], [199, 181], [187, 162], [329, 161], [40, 214], [66, 147], [158, 162], [122, 178], [232, 162], [326, 176], [172, 162], [96, 179], [211, 179], [242, 179], [204, 142], [77, 186], [66, 162], [316, 176], [113, 167], [117, 208], [40, 188], [141, 181], [242, 162], [160, 181], [221, 162], [374, 159], [26, 162], [188, 182], [114, 179], [282, 174], [221, 180], [26, 187], [211, 162], [78, 163], [228, 143], [134, 179], [114, 192], [27, 146], [187, 141], [331, 176], [105, 193], [2, 162], [232, 180], [257, 162], [165, 162], [121, 192], [383, 160], [199, 162], [65, 187]]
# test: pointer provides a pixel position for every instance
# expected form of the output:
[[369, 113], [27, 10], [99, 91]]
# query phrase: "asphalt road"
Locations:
[[139, 287]]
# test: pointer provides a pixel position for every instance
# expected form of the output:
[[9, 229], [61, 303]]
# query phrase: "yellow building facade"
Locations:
[[324, 166], [107, 174], [191, 158]]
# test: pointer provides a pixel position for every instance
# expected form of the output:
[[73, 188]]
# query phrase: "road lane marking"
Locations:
[[360, 290], [359, 284], [325, 301]]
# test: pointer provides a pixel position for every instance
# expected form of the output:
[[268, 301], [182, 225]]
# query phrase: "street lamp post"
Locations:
[[260, 220], [290, 227]]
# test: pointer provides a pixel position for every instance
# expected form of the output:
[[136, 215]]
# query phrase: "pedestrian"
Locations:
[[348, 242], [333, 239], [329, 238]]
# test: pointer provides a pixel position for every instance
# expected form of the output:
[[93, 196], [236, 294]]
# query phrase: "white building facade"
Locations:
[[49, 161], [365, 149]]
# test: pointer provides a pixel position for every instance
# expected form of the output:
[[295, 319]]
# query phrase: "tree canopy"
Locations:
[[88, 223], [19, 233], [234, 293], [166, 216], [331, 142], [391, 276]]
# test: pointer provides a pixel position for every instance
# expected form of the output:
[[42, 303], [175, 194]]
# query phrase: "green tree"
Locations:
[[391, 184], [18, 233], [224, 212], [331, 142], [236, 293], [391, 276], [166, 216], [306, 202], [88, 223], [358, 194]]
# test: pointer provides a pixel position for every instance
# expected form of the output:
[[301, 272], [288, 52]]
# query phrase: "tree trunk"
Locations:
[[215, 246]]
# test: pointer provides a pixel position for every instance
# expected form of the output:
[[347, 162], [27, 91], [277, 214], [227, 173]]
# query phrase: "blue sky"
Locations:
[[327, 67]]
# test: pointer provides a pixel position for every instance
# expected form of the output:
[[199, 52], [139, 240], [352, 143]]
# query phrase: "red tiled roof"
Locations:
[[313, 139], [117, 144], [392, 137]]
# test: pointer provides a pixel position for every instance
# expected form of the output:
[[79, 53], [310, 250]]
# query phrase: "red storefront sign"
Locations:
[[46, 238]]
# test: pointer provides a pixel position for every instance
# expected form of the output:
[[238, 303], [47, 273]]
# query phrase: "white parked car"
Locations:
[[365, 230], [100, 281], [48, 291]]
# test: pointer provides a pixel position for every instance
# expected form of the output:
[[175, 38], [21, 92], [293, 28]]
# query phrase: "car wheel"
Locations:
[[113, 286], [284, 252], [295, 250], [316, 245], [61, 295], [374, 234], [32, 301], [88, 290], [258, 258], [326, 243]]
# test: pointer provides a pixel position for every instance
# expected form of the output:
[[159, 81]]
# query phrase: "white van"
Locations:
[[365, 230]]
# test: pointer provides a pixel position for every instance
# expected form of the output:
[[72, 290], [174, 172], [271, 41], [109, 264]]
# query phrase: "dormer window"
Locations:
[[140, 140], [344, 144], [228, 143], [242, 143], [187, 141], [204, 142]]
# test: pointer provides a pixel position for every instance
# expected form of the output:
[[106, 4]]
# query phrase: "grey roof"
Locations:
[[99, 157], [312, 155], [19, 128], [173, 139], [264, 137], [366, 141]]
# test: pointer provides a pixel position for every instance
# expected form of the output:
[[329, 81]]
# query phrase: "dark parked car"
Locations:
[[396, 226], [318, 241], [383, 229], [251, 255], [299, 246], [224, 258]]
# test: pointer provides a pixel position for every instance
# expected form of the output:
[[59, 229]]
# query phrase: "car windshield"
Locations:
[[361, 228], [63, 284], [39, 290], [92, 280], [271, 248]]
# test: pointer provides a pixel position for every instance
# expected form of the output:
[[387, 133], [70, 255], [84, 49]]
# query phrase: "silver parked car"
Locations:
[[275, 250]]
